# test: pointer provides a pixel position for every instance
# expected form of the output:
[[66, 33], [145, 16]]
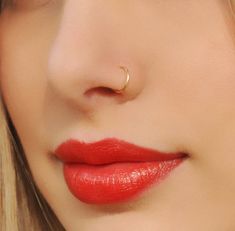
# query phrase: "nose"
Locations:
[[86, 55]]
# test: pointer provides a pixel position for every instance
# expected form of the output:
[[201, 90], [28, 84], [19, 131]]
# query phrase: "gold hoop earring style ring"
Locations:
[[126, 82]]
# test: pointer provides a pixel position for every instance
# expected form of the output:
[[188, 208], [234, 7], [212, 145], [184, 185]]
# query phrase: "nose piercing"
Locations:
[[126, 82]]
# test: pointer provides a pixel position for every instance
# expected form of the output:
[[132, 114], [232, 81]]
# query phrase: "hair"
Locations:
[[22, 206], [21, 203]]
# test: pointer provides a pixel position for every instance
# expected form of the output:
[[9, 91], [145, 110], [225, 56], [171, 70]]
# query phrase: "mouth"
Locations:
[[113, 171]]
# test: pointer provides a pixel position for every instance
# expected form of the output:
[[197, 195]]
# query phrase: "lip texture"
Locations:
[[112, 170]]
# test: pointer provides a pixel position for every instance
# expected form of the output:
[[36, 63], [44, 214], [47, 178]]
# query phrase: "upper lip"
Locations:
[[110, 150]]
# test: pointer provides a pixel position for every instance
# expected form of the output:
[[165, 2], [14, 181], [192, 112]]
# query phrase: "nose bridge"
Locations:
[[78, 34], [90, 44]]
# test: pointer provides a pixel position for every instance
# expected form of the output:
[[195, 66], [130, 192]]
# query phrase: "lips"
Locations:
[[112, 170]]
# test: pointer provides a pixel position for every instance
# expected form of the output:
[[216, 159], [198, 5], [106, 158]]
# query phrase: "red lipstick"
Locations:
[[112, 170]]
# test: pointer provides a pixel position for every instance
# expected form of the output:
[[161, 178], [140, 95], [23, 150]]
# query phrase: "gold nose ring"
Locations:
[[125, 69]]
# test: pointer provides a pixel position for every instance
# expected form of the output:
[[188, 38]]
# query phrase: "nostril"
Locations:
[[101, 91]]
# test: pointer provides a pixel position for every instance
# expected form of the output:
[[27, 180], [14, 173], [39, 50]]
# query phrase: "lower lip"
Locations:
[[117, 182]]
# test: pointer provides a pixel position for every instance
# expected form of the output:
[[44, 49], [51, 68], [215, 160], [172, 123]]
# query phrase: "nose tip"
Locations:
[[91, 85], [85, 55]]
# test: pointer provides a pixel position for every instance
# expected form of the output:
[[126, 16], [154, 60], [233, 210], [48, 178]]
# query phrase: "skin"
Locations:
[[58, 58]]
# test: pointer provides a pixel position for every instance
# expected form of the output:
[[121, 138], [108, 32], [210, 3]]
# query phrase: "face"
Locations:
[[60, 69]]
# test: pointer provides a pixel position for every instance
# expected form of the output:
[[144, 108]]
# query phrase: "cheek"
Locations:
[[23, 82], [196, 85], [205, 94]]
